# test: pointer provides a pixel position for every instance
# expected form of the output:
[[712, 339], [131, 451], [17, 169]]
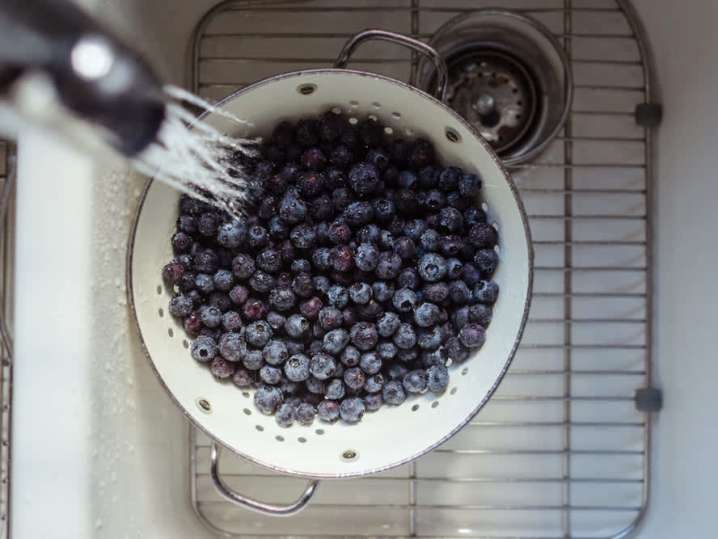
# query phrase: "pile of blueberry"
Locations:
[[362, 270]]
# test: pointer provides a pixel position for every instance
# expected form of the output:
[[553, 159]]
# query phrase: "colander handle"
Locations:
[[442, 73], [248, 503]]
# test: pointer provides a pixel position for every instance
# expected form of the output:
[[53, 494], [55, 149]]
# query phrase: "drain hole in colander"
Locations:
[[307, 89], [279, 438], [452, 135], [170, 332], [464, 371], [319, 431], [159, 290], [185, 343], [204, 405], [349, 455], [161, 312], [260, 428], [435, 404], [415, 408], [302, 440], [453, 390], [396, 115], [247, 411]]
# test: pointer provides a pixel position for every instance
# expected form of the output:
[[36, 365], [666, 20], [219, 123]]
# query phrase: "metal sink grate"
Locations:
[[561, 451]]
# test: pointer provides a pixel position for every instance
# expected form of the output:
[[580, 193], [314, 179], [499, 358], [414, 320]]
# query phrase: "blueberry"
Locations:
[[307, 132], [270, 375], [429, 339], [404, 247], [254, 309], [243, 266], [459, 292], [261, 282], [460, 317], [210, 316], [311, 307], [486, 261], [359, 213], [180, 306], [269, 260], [437, 378], [258, 333], [408, 278], [292, 209], [364, 335], [482, 235], [321, 208], [415, 381], [232, 346], [373, 401], [407, 203], [472, 335], [314, 159], [192, 324], [451, 245], [207, 224], [275, 352], [382, 291], [384, 209], [486, 292], [304, 413], [328, 411], [370, 311], [404, 300], [430, 358], [220, 300], [338, 296], [285, 414], [282, 299], [206, 261], [350, 356], [204, 349], [172, 273], [374, 384], [339, 232], [239, 294], [388, 323], [367, 257], [474, 215], [342, 258], [455, 268], [364, 178], [436, 292], [449, 178], [322, 366], [315, 386], [378, 158], [296, 326], [370, 362], [386, 239], [296, 368], [232, 234], [429, 240], [322, 258], [231, 321], [393, 393], [252, 360], [257, 236], [349, 317], [421, 155], [302, 285], [330, 318], [426, 315], [386, 350], [222, 280], [360, 293], [432, 267], [397, 371], [435, 200], [404, 337], [351, 410], [221, 368], [335, 389], [341, 156], [368, 234], [242, 378], [407, 179], [187, 223], [335, 341], [469, 185], [388, 266], [354, 378], [480, 313], [267, 399], [414, 228], [341, 198], [450, 220]]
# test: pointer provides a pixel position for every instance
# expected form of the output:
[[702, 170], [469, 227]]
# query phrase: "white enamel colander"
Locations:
[[393, 435]]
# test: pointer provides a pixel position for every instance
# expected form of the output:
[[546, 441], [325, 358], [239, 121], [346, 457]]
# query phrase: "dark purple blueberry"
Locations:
[[296, 326], [414, 228], [382, 291], [455, 268], [455, 200], [187, 223], [459, 292], [341, 198], [232, 321], [242, 378], [269, 260], [285, 414], [192, 324], [486, 292], [406, 202], [430, 358], [322, 366], [181, 243], [301, 265], [287, 251], [311, 307], [257, 237], [481, 314], [388, 266], [426, 315], [296, 368], [254, 309], [220, 300], [243, 266], [302, 285], [328, 411], [313, 159], [322, 258], [341, 156], [363, 178], [450, 220], [204, 283], [393, 393], [404, 247], [404, 300], [397, 371], [252, 360], [258, 333], [261, 282], [378, 158], [364, 335], [283, 134], [482, 235], [358, 213], [275, 352], [350, 356], [186, 283], [196, 297], [486, 261], [429, 339], [435, 200], [386, 350], [415, 381], [368, 234], [321, 283], [330, 318], [408, 278], [370, 363], [284, 280], [351, 410], [374, 384], [223, 280], [421, 154], [210, 316], [267, 208], [367, 257], [451, 245], [474, 215], [436, 292], [238, 294], [321, 208], [457, 352], [338, 296], [360, 293], [469, 185], [277, 183], [172, 273], [267, 399], [303, 236], [307, 132], [294, 347], [472, 335], [429, 240], [373, 401], [460, 317], [386, 239], [270, 375], [191, 206], [432, 267], [232, 346], [349, 317], [207, 224], [292, 209], [204, 349], [428, 177], [335, 389], [405, 337], [305, 413], [384, 209], [339, 232], [180, 306], [407, 179], [449, 178], [334, 179], [387, 324], [370, 311], [342, 258], [335, 341], [437, 378]]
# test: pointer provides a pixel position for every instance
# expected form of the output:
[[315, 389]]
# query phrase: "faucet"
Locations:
[[61, 69]]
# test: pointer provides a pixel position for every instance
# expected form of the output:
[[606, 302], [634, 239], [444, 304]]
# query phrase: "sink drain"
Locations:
[[508, 77]]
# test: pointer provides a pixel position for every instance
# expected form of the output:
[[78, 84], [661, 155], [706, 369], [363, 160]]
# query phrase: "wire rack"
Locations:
[[562, 450]]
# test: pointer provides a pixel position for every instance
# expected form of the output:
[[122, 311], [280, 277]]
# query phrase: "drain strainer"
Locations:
[[508, 77]]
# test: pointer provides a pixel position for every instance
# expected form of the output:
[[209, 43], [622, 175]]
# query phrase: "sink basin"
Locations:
[[99, 450]]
